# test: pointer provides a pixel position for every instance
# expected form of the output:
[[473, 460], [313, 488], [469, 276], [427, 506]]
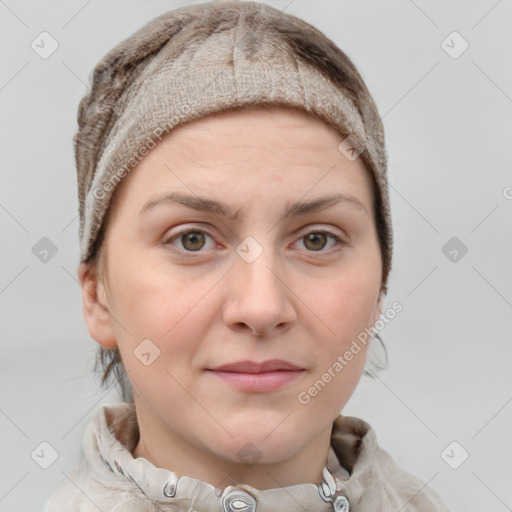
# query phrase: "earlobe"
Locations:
[[96, 312]]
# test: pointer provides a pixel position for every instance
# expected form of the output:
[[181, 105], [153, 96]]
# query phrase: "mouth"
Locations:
[[254, 377]]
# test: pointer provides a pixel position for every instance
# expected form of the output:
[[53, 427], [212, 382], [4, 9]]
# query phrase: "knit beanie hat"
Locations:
[[210, 57]]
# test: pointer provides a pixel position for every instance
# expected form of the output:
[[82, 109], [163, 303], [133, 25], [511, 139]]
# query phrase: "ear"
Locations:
[[377, 310], [95, 307]]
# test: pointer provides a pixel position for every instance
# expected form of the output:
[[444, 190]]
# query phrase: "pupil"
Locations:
[[314, 237], [193, 241]]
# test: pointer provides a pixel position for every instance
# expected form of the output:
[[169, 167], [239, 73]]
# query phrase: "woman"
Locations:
[[236, 244]]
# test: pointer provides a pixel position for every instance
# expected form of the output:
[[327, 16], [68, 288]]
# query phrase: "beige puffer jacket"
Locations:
[[109, 479]]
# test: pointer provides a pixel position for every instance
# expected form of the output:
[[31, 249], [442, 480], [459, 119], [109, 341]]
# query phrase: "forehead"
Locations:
[[261, 146]]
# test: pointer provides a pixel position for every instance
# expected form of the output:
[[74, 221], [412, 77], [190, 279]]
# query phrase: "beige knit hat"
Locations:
[[206, 58]]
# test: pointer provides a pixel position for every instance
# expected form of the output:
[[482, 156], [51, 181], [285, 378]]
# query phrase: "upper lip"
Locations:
[[271, 365]]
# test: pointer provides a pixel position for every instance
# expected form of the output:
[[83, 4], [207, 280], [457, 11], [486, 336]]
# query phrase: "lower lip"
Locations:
[[258, 382]]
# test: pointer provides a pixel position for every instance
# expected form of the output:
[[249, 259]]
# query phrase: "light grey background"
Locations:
[[448, 128]]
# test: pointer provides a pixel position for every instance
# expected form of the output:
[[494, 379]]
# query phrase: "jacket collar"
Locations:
[[113, 433], [358, 476]]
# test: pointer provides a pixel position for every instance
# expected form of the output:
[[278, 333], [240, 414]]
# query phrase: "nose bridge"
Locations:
[[255, 269], [259, 275], [259, 299]]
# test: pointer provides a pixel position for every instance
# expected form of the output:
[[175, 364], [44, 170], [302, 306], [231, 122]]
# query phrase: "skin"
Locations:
[[301, 300]]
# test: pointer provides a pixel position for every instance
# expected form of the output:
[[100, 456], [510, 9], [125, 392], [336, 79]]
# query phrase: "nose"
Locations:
[[259, 301]]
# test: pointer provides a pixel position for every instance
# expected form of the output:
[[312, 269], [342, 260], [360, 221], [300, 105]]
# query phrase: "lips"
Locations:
[[272, 365], [257, 377]]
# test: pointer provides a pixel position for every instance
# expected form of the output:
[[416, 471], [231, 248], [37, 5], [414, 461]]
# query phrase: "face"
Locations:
[[243, 236]]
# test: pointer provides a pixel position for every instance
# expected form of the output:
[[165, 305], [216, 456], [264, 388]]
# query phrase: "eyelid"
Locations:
[[338, 239], [167, 241]]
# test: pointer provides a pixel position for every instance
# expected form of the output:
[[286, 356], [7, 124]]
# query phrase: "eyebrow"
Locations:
[[219, 208]]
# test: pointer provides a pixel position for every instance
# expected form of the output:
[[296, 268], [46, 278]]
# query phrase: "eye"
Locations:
[[191, 240], [194, 240], [317, 240]]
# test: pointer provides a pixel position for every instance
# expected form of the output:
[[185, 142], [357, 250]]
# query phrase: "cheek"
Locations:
[[152, 302], [345, 311], [159, 323], [340, 350], [345, 302]]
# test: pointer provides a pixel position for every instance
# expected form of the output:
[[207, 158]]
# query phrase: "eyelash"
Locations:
[[178, 235]]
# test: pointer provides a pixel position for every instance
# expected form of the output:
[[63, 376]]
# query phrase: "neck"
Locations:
[[167, 449]]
